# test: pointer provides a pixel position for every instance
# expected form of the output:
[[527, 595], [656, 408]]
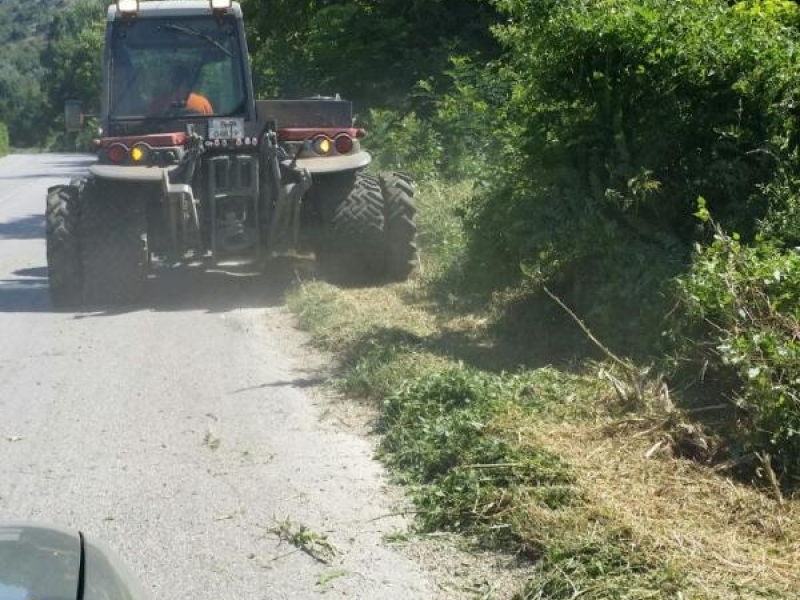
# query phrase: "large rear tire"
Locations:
[[63, 246], [400, 230], [352, 247], [114, 243]]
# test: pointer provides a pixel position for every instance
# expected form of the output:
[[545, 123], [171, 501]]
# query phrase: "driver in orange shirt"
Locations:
[[180, 97], [199, 104]]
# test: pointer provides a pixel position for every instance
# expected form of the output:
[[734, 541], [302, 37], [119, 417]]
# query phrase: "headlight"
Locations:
[[128, 7]]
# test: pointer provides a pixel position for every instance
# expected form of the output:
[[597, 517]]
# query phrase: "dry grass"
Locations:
[[729, 539], [337, 317]]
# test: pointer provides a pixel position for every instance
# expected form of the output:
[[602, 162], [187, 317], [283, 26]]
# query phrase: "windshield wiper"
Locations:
[[199, 34]]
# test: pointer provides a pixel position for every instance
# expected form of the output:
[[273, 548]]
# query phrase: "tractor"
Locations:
[[191, 168]]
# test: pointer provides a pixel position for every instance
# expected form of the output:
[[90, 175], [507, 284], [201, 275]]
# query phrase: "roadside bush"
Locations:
[[622, 113], [453, 133], [80, 141], [4, 142], [742, 318], [467, 116], [403, 142]]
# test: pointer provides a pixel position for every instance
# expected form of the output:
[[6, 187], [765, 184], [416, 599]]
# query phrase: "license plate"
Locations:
[[225, 129]]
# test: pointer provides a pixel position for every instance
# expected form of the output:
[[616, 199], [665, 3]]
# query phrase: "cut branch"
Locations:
[[587, 331]]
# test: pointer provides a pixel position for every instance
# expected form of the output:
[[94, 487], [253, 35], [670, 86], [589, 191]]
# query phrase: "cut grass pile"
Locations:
[[548, 464], [560, 467]]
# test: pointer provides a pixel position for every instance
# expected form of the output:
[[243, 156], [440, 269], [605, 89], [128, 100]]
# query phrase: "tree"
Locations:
[[23, 27], [72, 57], [372, 52]]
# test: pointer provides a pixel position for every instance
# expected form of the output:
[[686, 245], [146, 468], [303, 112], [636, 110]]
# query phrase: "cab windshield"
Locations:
[[175, 67]]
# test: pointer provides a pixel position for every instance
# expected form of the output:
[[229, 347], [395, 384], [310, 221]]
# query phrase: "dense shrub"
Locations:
[[72, 58], [467, 117], [622, 113], [456, 135], [4, 142], [742, 318], [403, 142], [80, 141], [372, 52]]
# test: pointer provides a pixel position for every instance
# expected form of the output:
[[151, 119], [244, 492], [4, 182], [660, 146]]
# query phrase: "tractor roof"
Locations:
[[174, 8]]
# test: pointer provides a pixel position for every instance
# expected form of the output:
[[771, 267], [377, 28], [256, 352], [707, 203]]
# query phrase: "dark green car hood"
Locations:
[[38, 563]]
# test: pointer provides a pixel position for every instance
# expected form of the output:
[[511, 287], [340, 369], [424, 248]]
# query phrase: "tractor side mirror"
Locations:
[[73, 116]]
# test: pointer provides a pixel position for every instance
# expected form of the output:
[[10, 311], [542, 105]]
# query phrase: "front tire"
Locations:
[[64, 271]]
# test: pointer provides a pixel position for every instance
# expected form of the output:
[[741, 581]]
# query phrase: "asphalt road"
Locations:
[[182, 431]]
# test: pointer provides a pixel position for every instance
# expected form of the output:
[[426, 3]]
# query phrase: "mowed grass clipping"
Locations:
[[551, 465]]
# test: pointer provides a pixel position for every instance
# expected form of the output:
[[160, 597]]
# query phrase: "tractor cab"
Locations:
[[174, 67]]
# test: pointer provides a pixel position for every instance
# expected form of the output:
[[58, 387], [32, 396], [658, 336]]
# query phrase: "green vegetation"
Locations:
[[440, 433], [315, 544], [3, 139], [72, 58], [51, 53], [370, 51], [623, 118], [22, 29], [211, 440], [612, 147], [637, 162], [744, 301]]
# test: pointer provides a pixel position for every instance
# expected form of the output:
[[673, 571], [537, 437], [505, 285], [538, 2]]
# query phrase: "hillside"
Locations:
[[23, 32], [22, 21], [24, 28]]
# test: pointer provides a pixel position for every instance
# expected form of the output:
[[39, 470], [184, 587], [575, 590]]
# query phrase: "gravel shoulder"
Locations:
[[455, 570]]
